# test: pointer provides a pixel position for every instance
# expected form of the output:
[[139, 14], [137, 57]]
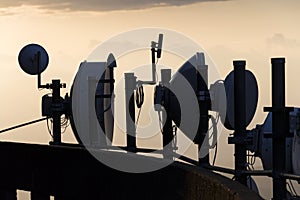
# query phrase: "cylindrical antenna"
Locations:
[[159, 46], [130, 84], [280, 127], [240, 118]]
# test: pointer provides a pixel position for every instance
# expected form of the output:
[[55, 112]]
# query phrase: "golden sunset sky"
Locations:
[[255, 30]]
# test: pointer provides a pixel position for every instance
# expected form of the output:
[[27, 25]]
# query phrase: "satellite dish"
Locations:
[[103, 104], [251, 98], [111, 61], [186, 98], [33, 59]]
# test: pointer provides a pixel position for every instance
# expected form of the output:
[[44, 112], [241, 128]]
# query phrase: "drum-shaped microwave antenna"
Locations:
[[251, 90], [185, 86], [83, 122], [33, 59]]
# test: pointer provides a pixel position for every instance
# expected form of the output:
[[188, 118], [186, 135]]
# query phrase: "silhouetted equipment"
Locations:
[[240, 120], [183, 99], [192, 75], [85, 82], [33, 59], [168, 135], [276, 140], [168, 100], [131, 85], [21, 125], [262, 142], [159, 45], [251, 98], [156, 49], [280, 127]]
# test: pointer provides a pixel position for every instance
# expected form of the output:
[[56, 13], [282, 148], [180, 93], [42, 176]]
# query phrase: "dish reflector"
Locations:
[[87, 95], [33, 59], [251, 98], [184, 108]]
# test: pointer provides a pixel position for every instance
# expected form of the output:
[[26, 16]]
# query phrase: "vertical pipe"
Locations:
[[279, 127], [165, 76], [167, 127], [109, 102], [240, 119], [38, 69], [153, 58], [202, 75], [56, 114], [130, 84]]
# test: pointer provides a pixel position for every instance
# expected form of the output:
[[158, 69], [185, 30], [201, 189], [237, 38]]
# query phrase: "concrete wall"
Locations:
[[72, 173]]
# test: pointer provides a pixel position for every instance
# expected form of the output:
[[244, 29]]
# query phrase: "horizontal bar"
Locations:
[[232, 171], [106, 81], [21, 125], [279, 109], [103, 95], [258, 172], [220, 169], [290, 176]]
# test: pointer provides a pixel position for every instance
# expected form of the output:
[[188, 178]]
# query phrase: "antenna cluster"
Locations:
[[34, 60], [179, 109]]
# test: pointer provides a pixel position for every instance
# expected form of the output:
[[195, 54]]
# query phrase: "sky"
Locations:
[[253, 30]]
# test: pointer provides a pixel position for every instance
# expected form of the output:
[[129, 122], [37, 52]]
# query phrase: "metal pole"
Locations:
[[24, 124], [130, 85], [153, 62], [240, 119], [56, 103], [202, 74], [38, 69], [280, 127], [110, 102], [56, 100], [291, 176], [167, 128]]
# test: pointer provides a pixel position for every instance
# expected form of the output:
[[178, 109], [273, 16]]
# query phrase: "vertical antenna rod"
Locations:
[[240, 119], [167, 126], [56, 100], [280, 127], [130, 84], [204, 105], [156, 49]]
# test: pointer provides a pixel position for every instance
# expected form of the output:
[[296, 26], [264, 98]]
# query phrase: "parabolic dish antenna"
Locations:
[[251, 90], [183, 104], [33, 59]]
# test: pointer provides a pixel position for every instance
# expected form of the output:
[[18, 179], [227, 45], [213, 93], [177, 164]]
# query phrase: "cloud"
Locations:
[[279, 40], [98, 5]]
